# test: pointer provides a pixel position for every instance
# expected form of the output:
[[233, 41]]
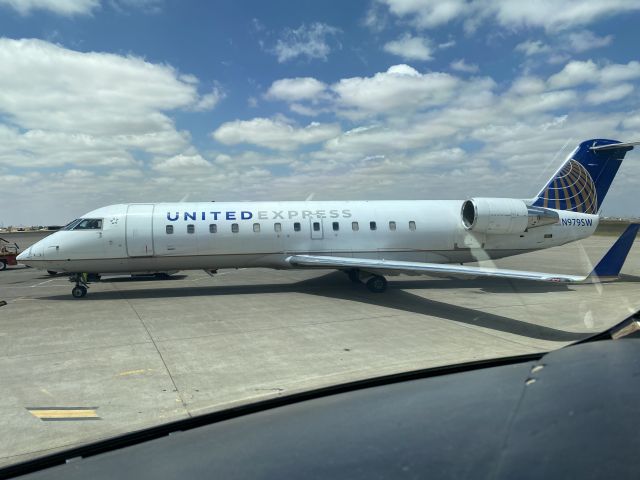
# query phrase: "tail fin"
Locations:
[[583, 181], [611, 264]]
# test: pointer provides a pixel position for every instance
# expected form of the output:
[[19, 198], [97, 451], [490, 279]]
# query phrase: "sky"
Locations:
[[119, 101]]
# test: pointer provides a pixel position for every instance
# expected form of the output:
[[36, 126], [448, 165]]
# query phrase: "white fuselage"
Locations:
[[183, 236]]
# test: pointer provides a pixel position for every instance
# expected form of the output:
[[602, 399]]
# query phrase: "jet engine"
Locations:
[[504, 215]]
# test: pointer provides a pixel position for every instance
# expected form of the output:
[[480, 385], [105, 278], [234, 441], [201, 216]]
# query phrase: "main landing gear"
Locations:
[[81, 281], [375, 283]]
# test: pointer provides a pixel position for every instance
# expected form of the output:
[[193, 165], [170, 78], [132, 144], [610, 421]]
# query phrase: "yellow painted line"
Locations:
[[131, 372], [65, 413], [134, 372]]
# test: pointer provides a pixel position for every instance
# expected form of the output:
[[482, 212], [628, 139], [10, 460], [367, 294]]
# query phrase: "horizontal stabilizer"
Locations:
[[612, 262], [614, 146], [608, 268]]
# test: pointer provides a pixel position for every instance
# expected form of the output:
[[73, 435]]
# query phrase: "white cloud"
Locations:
[[209, 100], [147, 6], [575, 42], [427, 13], [541, 102], [575, 73], [553, 15], [184, 163], [45, 86], [400, 87], [305, 110], [587, 40], [605, 93], [310, 41], [63, 107], [528, 85], [276, 134], [579, 72], [533, 47], [252, 102], [60, 7], [619, 72], [375, 18], [410, 47], [462, 66], [556, 14], [296, 89], [447, 44]]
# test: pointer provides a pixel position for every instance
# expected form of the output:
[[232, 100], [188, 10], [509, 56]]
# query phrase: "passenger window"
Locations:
[[169, 229], [296, 226], [191, 228], [277, 227], [256, 227], [354, 226], [392, 226], [213, 228], [235, 228], [412, 226], [372, 225], [316, 226], [336, 226]]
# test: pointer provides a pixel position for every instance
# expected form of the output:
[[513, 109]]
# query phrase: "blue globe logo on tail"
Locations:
[[571, 189], [584, 179]]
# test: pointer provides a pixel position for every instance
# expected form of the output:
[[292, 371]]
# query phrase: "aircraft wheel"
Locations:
[[3, 265], [377, 284], [79, 291], [51, 272]]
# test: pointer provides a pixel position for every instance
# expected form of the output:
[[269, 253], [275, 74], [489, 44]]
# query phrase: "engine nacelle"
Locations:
[[504, 215]]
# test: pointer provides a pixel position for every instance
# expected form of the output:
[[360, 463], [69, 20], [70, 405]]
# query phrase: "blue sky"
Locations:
[[110, 101]]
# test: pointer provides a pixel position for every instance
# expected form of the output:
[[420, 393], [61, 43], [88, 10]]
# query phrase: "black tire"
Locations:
[[377, 284], [79, 291], [52, 273], [3, 265]]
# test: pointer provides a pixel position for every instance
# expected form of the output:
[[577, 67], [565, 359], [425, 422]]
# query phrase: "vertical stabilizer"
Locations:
[[583, 181]]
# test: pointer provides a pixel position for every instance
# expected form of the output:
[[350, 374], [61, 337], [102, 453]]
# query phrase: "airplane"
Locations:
[[365, 239]]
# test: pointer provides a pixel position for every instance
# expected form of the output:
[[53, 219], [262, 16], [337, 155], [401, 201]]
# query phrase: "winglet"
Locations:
[[611, 263]]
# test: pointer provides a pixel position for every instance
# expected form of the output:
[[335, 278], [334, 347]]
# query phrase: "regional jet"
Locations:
[[365, 239]]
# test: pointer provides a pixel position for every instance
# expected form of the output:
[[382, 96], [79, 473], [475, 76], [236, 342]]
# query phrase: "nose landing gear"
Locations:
[[80, 279]]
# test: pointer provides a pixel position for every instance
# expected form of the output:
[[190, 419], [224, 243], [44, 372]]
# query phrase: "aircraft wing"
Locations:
[[608, 268]]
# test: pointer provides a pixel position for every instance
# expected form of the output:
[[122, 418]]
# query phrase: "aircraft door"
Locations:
[[317, 228], [139, 230]]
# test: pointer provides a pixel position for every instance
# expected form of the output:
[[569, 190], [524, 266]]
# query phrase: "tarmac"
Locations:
[[138, 352]]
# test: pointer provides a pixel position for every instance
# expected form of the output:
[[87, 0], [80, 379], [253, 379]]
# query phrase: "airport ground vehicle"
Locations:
[[8, 253]]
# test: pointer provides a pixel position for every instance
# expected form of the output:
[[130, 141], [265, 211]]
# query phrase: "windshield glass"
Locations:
[[88, 224], [398, 186], [71, 225]]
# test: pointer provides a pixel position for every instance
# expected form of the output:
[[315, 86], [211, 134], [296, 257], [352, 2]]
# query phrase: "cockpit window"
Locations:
[[70, 225], [89, 224]]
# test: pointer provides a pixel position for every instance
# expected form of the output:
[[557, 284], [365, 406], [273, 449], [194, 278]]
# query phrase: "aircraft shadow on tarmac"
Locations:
[[335, 285]]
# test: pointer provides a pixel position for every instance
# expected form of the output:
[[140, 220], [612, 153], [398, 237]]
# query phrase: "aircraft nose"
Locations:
[[23, 255]]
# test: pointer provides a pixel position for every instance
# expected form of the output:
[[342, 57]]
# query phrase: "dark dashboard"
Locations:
[[572, 413]]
